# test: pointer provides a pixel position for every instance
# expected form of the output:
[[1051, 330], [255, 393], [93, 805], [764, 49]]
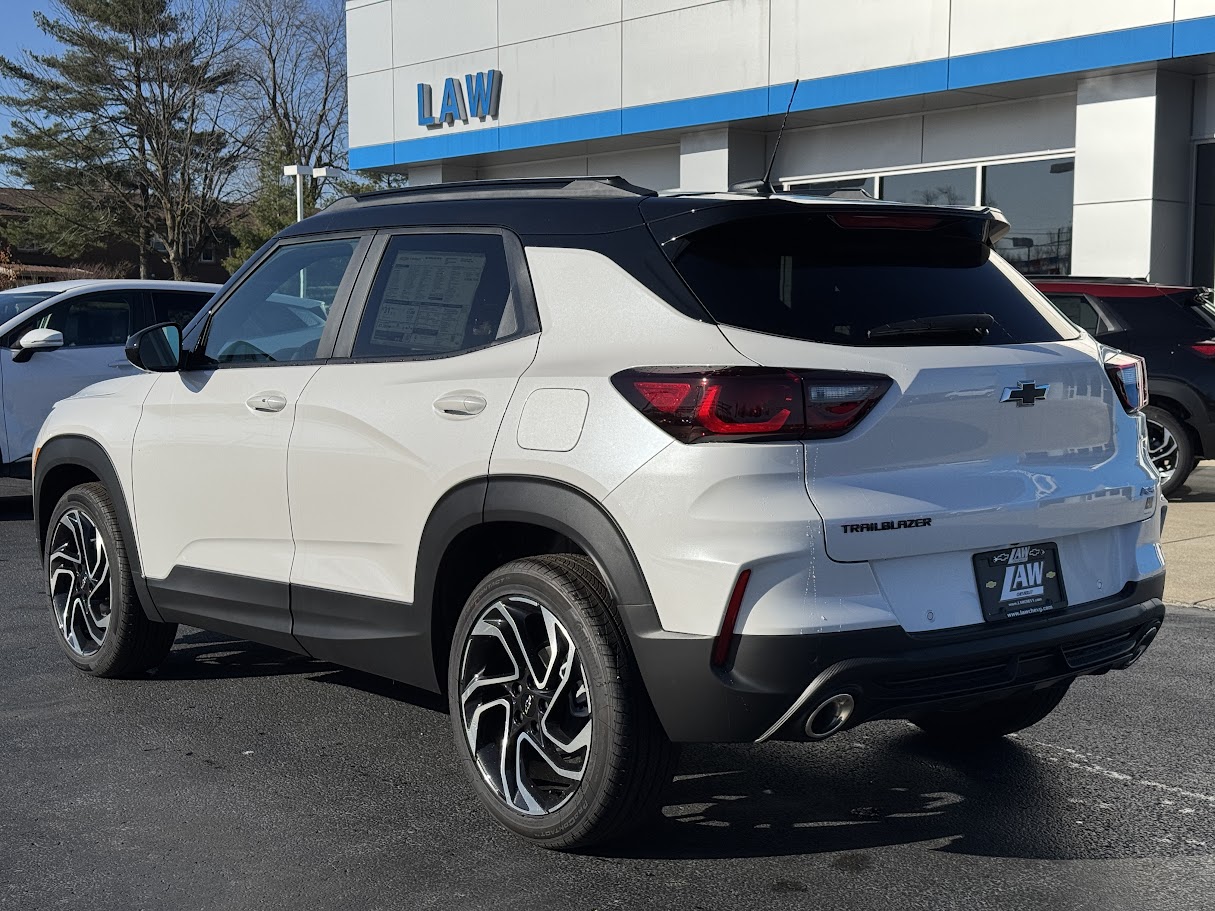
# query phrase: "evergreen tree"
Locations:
[[124, 129]]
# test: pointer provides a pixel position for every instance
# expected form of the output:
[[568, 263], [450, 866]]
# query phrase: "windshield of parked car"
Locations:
[[14, 302], [1203, 307], [838, 278]]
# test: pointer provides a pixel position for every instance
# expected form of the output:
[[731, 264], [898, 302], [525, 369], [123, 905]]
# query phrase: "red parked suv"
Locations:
[[1173, 329]]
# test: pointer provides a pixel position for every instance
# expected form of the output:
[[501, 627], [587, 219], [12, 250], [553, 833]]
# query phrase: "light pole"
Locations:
[[299, 172]]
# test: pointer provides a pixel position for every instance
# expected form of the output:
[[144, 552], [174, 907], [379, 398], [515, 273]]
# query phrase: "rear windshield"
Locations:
[[14, 302], [1168, 313], [808, 278]]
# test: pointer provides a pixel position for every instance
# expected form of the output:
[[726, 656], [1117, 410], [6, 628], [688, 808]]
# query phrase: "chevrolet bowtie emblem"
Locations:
[[1025, 395]]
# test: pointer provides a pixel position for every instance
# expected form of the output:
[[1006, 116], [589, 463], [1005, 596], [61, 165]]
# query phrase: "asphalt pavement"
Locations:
[[240, 777]]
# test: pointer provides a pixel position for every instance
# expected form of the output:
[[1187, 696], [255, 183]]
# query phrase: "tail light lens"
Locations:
[[751, 404], [1128, 374], [1204, 349]]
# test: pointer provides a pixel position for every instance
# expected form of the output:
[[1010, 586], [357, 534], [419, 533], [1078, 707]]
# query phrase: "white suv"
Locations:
[[63, 336], [616, 471]]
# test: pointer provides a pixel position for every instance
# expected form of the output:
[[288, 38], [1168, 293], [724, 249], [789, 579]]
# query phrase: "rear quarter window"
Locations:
[[808, 278]]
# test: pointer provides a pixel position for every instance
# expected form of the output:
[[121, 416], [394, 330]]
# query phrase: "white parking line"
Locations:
[[1084, 763]]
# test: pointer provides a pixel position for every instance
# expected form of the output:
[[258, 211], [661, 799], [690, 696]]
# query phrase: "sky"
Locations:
[[18, 34]]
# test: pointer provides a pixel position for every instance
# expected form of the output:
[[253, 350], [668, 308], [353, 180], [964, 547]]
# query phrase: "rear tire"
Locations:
[[1171, 448], [96, 615], [992, 720], [570, 754]]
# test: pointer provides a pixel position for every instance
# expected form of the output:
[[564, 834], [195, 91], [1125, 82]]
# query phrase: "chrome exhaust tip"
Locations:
[[830, 715]]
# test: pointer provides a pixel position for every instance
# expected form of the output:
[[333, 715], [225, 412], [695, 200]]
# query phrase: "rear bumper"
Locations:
[[775, 682]]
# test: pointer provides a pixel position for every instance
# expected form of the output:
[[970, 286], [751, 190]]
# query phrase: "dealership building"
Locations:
[[1090, 123]]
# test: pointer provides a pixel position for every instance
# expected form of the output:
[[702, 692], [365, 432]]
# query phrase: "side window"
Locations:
[[1076, 307], [279, 312], [177, 306], [90, 320], [438, 294]]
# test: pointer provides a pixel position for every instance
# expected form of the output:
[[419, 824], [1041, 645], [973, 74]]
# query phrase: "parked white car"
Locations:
[[617, 471], [64, 336]]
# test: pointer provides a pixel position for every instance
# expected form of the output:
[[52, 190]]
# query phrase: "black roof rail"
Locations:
[[1091, 279], [512, 188]]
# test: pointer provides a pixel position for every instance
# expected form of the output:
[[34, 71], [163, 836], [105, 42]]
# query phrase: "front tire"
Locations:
[[551, 720], [96, 614], [993, 720]]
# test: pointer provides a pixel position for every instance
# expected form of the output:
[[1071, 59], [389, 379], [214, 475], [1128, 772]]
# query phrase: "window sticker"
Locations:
[[428, 300]]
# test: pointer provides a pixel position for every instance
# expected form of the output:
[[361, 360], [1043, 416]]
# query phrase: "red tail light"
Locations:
[[725, 636], [1128, 375], [1204, 349], [751, 404]]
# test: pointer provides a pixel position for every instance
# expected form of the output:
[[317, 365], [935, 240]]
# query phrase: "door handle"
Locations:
[[460, 404], [268, 402]]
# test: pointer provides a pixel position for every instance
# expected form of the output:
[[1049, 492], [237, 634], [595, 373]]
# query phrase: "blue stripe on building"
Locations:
[[1185, 38]]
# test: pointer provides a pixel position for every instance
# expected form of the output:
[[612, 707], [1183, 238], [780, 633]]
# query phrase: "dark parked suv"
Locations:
[[1173, 328]]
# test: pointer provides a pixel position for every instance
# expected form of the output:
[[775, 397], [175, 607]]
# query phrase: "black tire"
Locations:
[[628, 762], [130, 643], [1175, 460], [993, 720]]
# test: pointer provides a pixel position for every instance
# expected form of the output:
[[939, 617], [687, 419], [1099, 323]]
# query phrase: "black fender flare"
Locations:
[[578, 516], [1197, 417], [83, 452]]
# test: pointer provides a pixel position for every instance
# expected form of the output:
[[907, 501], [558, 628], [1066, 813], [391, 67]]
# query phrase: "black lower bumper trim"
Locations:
[[774, 682]]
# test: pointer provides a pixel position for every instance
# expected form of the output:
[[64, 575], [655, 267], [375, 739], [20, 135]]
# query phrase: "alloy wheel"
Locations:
[[525, 705], [1163, 450], [79, 582]]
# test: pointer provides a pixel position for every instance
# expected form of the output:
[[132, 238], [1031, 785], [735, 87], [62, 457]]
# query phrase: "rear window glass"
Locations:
[[1165, 313], [808, 278]]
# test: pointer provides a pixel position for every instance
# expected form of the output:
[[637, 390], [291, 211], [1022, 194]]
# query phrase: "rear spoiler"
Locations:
[[987, 222]]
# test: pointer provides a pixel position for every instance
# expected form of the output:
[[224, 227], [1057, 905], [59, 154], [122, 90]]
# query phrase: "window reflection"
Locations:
[[1036, 198], [954, 187]]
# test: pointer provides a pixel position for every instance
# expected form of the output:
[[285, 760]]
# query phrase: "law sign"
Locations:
[[476, 97]]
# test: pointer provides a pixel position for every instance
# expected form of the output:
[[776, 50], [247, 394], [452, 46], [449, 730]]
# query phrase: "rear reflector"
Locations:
[[725, 636], [751, 404], [1204, 349], [1128, 376]]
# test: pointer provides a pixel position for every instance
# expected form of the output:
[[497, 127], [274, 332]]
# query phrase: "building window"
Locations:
[[1202, 272], [1036, 198], [207, 255], [952, 187]]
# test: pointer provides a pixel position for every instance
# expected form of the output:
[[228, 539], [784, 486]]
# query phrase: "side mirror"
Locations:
[[37, 340], [156, 349]]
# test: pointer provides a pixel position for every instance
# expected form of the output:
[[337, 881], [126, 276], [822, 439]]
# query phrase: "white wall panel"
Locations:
[[1019, 127], [984, 25], [372, 112], [851, 147], [434, 73], [550, 167], [1115, 138], [555, 77], [428, 30], [656, 168], [369, 38], [633, 9], [523, 20], [704, 50], [1193, 9], [822, 39], [1112, 238]]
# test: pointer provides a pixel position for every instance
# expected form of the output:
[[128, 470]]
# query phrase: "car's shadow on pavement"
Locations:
[[898, 789], [203, 655], [16, 507]]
